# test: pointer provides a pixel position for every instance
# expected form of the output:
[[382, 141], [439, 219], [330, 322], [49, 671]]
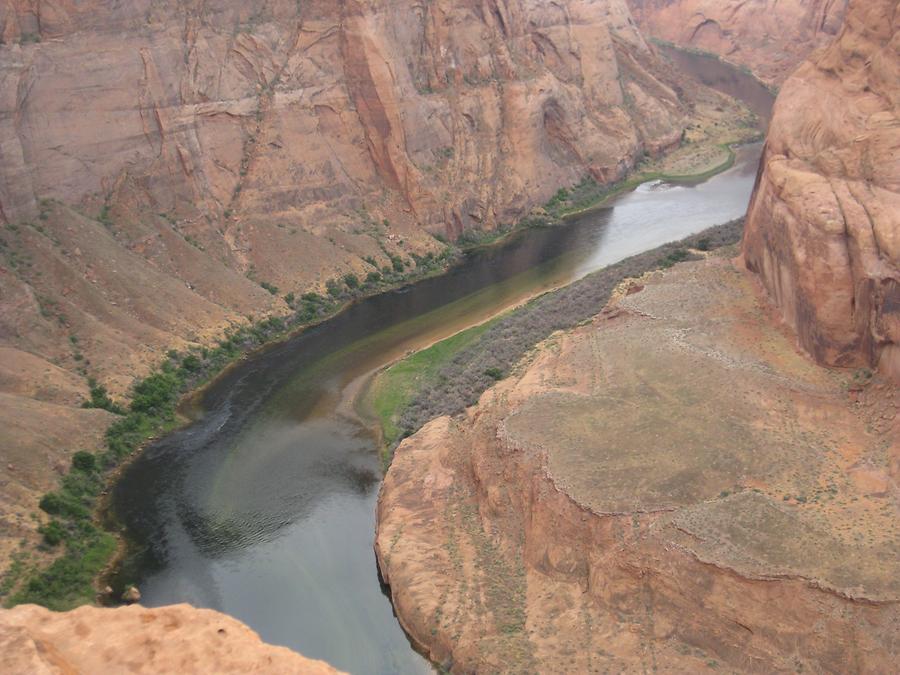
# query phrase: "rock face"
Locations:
[[823, 230], [771, 37], [175, 639], [672, 487], [160, 160], [449, 115]]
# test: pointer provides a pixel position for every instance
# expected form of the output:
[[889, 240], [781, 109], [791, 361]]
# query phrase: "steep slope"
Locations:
[[771, 37], [823, 230], [161, 160], [671, 487], [176, 639]]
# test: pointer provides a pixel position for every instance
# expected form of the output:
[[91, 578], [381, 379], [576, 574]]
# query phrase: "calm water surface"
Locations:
[[263, 508]]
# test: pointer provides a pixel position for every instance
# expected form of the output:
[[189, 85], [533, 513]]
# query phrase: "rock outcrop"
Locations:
[[823, 230], [673, 487], [161, 160], [771, 37], [175, 639]]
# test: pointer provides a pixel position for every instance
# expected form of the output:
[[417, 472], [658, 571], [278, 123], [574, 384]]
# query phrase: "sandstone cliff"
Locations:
[[671, 488], [823, 230], [771, 37], [160, 160], [176, 639]]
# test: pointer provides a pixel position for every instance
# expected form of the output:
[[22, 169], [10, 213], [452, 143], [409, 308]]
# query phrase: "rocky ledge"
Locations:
[[175, 639], [673, 486]]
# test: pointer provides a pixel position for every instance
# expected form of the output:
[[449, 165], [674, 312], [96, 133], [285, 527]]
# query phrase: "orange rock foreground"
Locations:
[[175, 639], [673, 487]]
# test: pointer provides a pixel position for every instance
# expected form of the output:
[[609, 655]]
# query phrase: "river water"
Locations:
[[263, 507]]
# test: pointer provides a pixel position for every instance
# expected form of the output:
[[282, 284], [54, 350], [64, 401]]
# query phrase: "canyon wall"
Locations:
[[771, 37], [161, 160], [823, 230], [671, 487], [175, 639]]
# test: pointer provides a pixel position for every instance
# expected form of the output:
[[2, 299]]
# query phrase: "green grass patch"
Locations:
[[392, 390]]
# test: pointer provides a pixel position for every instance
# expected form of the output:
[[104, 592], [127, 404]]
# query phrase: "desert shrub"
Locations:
[[351, 281], [84, 461], [314, 298], [156, 394], [333, 288], [62, 504], [191, 363], [100, 399], [53, 532]]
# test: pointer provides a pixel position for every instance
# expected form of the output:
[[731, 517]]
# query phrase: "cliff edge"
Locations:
[[175, 639], [823, 229], [674, 487]]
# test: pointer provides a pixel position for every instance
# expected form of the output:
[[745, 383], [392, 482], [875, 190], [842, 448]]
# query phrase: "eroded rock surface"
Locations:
[[674, 487], [823, 230], [175, 639], [161, 159], [771, 37]]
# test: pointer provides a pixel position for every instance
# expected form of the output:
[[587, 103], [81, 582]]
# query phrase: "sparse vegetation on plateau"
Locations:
[[449, 376]]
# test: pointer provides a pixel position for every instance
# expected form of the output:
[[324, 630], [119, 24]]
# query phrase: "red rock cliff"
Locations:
[[771, 37], [823, 230], [160, 159], [465, 113]]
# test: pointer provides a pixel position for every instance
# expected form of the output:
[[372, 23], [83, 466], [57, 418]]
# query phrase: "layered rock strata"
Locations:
[[771, 37], [165, 166], [672, 487], [175, 639], [823, 229]]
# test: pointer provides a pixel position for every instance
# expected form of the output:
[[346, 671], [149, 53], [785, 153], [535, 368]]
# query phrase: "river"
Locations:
[[263, 507]]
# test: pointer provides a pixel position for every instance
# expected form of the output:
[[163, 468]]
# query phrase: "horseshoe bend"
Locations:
[[454, 336]]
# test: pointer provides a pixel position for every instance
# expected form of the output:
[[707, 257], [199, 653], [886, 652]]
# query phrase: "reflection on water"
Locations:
[[264, 507]]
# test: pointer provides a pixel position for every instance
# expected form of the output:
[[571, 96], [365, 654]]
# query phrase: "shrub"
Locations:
[[289, 299], [373, 278], [272, 288], [100, 399], [333, 288], [314, 298], [53, 532], [352, 281], [84, 461], [60, 504], [191, 363], [156, 394]]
